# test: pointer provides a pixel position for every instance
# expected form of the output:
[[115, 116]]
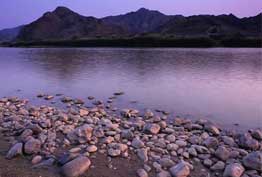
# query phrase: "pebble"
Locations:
[[37, 159], [222, 153], [137, 143], [114, 152], [152, 128], [91, 149]]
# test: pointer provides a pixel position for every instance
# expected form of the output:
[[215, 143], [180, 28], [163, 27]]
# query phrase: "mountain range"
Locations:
[[64, 24]]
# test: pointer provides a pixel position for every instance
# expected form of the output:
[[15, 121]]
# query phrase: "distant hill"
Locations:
[[210, 25], [10, 34], [141, 21], [64, 24]]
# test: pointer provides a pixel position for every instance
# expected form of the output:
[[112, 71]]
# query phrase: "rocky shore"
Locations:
[[71, 138]]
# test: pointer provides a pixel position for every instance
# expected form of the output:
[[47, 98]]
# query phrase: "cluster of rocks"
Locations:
[[169, 146]]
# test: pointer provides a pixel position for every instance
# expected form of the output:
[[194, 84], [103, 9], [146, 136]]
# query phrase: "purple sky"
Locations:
[[17, 12]]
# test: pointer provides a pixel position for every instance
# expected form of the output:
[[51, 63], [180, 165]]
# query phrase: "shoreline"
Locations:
[[146, 42], [70, 139]]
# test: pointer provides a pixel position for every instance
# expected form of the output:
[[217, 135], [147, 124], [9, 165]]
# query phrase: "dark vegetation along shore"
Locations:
[[143, 42], [100, 140], [142, 28]]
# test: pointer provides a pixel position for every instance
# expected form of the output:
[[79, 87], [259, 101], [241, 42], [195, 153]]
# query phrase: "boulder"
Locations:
[[76, 167], [234, 170], [253, 161], [180, 170], [32, 146], [246, 141], [163, 174], [81, 134], [142, 154], [142, 173], [15, 150]]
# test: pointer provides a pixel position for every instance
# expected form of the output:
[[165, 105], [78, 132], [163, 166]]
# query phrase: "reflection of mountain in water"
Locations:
[[143, 64]]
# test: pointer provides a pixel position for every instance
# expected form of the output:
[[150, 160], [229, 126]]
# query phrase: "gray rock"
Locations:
[[234, 170], [114, 152], [195, 139], [218, 166], [222, 153], [172, 147], [166, 162], [63, 159], [81, 134], [171, 138], [15, 150], [142, 173], [45, 164], [246, 141], [127, 134], [163, 174], [36, 159], [152, 128], [228, 140], [26, 133], [211, 142], [181, 143], [142, 154], [253, 160], [208, 162], [91, 148], [212, 129], [137, 143], [32, 146], [180, 170], [192, 151], [257, 134], [76, 167]]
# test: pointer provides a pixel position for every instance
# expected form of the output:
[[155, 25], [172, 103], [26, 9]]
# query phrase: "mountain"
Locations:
[[10, 34], [63, 23], [141, 21], [210, 25]]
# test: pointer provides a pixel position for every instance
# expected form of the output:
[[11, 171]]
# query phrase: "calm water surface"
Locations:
[[224, 85]]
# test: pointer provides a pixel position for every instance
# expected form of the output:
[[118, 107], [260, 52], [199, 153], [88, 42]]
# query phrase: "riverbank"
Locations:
[[104, 141], [197, 42]]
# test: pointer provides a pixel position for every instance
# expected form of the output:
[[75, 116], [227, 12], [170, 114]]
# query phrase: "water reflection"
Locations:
[[223, 84]]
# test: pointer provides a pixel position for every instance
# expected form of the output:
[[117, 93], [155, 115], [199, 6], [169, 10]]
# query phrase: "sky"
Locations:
[[18, 12]]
